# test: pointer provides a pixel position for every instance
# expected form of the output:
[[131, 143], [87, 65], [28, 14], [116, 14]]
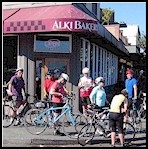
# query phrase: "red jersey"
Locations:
[[58, 88], [47, 84]]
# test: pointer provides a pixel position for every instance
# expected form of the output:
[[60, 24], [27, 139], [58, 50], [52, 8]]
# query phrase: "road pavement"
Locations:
[[18, 136]]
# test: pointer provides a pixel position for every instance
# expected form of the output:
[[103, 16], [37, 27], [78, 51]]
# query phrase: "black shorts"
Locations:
[[116, 122], [85, 101], [55, 105]]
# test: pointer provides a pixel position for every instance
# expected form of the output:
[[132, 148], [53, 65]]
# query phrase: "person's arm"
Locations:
[[92, 96], [135, 88], [80, 84], [53, 90], [66, 91], [10, 86], [125, 106], [44, 88]]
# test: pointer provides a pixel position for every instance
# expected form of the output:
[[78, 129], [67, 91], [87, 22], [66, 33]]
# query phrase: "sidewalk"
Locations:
[[18, 135]]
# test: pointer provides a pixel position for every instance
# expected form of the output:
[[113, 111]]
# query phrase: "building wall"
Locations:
[[114, 30], [89, 6], [131, 32]]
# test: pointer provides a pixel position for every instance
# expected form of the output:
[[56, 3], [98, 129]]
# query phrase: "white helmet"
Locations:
[[65, 76], [85, 70], [19, 69], [99, 79]]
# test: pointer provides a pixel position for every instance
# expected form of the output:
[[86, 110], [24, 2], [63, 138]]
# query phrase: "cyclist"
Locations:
[[131, 87], [85, 86], [15, 87], [58, 90], [118, 108], [49, 80], [98, 95]]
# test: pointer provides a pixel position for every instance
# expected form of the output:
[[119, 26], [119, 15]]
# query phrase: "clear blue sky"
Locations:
[[128, 12]]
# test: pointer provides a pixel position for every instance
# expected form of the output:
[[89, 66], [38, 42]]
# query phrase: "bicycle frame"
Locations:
[[67, 109]]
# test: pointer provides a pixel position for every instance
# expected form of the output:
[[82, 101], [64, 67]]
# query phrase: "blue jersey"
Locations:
[[129, 85]]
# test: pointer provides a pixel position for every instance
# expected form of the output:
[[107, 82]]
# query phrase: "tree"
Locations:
[[107, 14], [141, 41]]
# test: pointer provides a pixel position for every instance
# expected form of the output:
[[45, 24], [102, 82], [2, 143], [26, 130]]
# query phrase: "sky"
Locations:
[[129, 12]]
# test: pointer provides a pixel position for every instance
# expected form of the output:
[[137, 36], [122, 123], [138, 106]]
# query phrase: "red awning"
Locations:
[[8, 13], [51, 18]]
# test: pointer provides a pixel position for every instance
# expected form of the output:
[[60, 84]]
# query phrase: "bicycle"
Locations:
[[142, 108], [135, 117], [39, 120], [88, 132], [9, 109]]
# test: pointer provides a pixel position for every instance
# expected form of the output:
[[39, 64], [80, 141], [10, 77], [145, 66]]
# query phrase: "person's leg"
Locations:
[[112, 125], [56, 113], [84, 104], [120, 129]]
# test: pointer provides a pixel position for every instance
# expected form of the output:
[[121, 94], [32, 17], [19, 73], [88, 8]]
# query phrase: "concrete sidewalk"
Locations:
[[18, 135]]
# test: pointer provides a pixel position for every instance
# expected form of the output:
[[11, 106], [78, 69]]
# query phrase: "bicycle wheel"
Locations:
[[86, 134], [129, 132], [71, 130], [34, 122], [8, 116]]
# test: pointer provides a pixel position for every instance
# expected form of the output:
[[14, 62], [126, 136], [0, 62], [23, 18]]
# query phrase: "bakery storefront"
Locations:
[[56, 37]]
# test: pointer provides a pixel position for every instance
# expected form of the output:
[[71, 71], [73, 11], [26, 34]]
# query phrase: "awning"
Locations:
[[50, 18], [9, 13]]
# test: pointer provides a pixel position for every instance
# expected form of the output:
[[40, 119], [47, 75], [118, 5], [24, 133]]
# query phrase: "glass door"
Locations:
[[53, 63]]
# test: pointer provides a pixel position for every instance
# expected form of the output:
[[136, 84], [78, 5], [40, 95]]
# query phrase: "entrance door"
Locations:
[[54, 63]]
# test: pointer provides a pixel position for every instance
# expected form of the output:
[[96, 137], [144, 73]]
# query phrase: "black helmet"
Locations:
[[50, 72], [57, 73]]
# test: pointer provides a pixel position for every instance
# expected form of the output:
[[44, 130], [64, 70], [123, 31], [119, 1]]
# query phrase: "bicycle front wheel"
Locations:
[[8, 116], [129, 132], [71, 129], [33, 123], [86, 134]]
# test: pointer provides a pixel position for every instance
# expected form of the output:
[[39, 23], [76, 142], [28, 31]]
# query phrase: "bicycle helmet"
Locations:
[[19, 69], [50, 72], [65, 76], [99, 79], [85, 70], [130, 71]]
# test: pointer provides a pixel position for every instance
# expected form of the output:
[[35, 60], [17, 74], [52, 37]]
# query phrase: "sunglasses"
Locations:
[[102, 81]]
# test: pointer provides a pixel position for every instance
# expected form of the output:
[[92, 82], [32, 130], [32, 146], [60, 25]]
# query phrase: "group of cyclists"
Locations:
[[91, 92]]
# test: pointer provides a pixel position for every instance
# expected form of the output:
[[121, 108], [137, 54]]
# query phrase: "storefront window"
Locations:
[[52, 43]]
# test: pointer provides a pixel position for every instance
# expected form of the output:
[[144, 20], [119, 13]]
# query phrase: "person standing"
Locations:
[[58, 90], [85, 86], [15, 87], [98, 95], [48, 82], [118, 108], [131, 87]]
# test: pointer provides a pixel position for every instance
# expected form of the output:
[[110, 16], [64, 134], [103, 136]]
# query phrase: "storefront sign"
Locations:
[[74, 25], [56, 44], [52, 44]]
